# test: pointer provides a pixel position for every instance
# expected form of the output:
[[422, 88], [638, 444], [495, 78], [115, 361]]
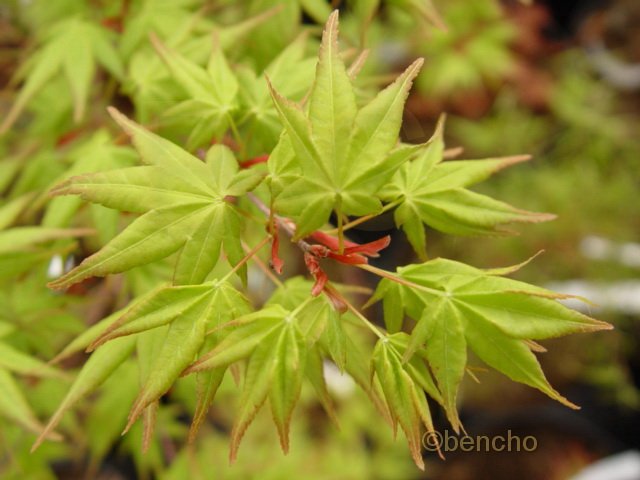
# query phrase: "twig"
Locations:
[[266, 270], [366, 218], [395, 278], [247, 257]]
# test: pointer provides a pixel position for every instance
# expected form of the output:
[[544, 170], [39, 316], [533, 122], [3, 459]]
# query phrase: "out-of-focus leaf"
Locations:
[[23, 239], [14, 406], [211, 94], [97, 369], [73, 47], [16, 361]]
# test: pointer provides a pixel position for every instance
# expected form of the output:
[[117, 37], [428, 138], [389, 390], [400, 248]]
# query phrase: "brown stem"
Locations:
[[374, 328]]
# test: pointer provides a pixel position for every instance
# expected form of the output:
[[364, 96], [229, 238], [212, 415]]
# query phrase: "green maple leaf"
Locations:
[[159, 16], [291, 72], [97, 153], [275, 370], [211, 94], [23, 239], [327, 336], [319, 320], [339, 153], [169, 327], [149, 82], [72, 48], [276, 350], [11, 210], [403, 385], [16, 361], [13, 404], [456, 305], [433, 192], [185, 204], [187, 313]]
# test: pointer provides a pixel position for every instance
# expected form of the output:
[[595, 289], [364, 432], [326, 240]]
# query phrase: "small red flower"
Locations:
[[329, 240], [353, 254], [313, 264], [370, 249]]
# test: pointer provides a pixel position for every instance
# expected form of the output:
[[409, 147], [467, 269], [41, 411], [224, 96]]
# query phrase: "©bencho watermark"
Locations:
[[451, 442]]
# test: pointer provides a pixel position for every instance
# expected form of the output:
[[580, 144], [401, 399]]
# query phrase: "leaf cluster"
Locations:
[[212, 98]]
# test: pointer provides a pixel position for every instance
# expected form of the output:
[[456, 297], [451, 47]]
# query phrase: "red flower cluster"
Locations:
[[328, 247]]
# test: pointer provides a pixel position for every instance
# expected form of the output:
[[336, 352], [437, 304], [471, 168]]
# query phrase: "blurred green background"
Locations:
[[558, 80]]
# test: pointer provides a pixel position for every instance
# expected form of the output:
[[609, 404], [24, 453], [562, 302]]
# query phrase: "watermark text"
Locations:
[[450, 442]]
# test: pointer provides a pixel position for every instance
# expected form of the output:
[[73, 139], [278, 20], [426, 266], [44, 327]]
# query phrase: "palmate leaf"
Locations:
[[319, 321], [97, 153], [186, 203], [291, 73], [435, 193], [187, 312], [158, 16], [275, 370], [211, 94], [403, 392], [337, 150], [456, 305], [276, 350], [73, 47], [327, 338], [149, 82], [167, 326]]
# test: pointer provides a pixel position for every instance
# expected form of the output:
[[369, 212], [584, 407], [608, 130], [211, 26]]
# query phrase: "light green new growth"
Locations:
[[202, 193]]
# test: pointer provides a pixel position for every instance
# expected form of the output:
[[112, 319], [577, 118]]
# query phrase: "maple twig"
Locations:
[[358, 221], [374, 328], [266, 270], [395, 278], [284, 223], [247, 257], [309, 249]]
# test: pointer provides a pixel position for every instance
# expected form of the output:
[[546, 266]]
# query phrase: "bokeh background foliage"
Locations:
[[513, 78]]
